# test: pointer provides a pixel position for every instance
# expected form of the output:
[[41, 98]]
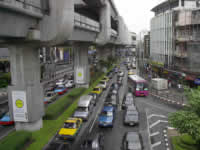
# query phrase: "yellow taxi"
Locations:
[[105, 78], [97, 90], [131, 72], [70, 129]]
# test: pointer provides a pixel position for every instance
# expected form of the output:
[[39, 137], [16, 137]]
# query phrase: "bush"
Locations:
[[54, 110], [5, 80], [16, 140]]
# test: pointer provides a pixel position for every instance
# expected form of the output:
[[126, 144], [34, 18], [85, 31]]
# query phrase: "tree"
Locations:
[[188, 120]]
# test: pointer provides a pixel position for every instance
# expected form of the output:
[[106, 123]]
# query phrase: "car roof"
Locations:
[[71, 120], [108, 108], [132, 136]]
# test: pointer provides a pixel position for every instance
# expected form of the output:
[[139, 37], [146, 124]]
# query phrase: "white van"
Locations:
[[85, 107]]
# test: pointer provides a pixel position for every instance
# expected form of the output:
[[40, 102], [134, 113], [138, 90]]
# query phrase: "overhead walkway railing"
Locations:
[[31, 8], [86, 23]]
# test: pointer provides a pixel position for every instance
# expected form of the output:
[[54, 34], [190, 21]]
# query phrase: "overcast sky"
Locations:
[[136, 13]]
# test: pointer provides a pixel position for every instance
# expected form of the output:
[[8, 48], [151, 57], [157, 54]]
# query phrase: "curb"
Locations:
[[169, 100]]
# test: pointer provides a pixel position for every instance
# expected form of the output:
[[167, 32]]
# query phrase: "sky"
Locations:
[[136, 13]]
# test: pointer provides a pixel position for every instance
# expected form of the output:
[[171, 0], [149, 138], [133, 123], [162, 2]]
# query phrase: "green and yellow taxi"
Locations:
[[70, 129], [97, 90]]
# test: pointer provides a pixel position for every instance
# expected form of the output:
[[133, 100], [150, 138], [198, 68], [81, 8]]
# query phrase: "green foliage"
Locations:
[[184, 142], [5, 80], [55, 109], [188, 120], [15, 140]]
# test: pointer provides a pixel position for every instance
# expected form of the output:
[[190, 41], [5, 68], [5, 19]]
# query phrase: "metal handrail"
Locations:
[[29, 4]]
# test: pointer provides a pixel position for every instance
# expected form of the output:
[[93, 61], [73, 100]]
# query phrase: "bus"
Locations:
[[138, 85]]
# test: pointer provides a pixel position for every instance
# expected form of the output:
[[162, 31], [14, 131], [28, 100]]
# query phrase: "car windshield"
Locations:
[[82, 109], [59, 88], [70, 125], [102, 82], [96, 89], [106, 113], [132, 113]]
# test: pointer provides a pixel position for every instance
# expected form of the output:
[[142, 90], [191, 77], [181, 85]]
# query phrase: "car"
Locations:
[[120, 80], [6, 120], [70, 84], [49, 97], [94, 95], [131, 141], [131, 117], [97, 90], [105, 78], [120, 73], [110, 75], [111, 99], [114, 86], [103, 84], [106, 117], [93, 142], [129, 96], [3, 112], [70, 129], [133, 65], [126, 103], [131, 72], [60, 90]]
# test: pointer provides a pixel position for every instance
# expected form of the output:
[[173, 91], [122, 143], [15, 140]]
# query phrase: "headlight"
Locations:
[[137, 89]]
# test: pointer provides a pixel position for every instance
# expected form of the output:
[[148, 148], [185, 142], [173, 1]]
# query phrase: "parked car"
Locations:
[[103, 84], [131, 117], [70, 129], [110, 75], [93, 142], [106, 118], [70, 84], [131, 141], [6, 120], [95, 96], [97, 90], [85, 107], [3, 112], [49, 97], [60, 90]]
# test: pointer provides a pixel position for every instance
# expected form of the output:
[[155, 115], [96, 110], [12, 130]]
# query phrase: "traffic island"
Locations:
[[50, 127]]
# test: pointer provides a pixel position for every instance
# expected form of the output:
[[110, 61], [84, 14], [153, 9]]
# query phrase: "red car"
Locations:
[[5, 120], [61, 90]]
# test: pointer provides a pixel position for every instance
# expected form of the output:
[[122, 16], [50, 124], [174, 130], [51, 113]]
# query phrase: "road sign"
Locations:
[[19, 106]]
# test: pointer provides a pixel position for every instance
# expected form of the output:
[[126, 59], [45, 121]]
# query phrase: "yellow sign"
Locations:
[[19, 103], [80, 74]]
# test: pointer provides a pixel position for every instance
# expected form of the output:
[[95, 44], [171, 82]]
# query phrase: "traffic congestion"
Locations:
[[98, 113]]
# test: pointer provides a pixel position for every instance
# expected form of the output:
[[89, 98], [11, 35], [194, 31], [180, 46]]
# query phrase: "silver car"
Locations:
[[131, 117], [131, 141]]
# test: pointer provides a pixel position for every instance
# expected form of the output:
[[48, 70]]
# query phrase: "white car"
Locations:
[[69, 84], [103, 84], [121, 74]]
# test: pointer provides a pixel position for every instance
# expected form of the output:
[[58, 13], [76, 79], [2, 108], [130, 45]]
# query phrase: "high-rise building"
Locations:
[[174, 38]]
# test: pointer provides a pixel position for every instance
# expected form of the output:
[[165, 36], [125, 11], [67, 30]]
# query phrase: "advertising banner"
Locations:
[[80, 75], [19, 106]]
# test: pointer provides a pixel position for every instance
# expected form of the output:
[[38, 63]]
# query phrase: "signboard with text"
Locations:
[[19, 106]]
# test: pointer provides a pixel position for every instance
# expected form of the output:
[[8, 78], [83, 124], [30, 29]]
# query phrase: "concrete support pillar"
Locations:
[[81, 66], [26, 93]]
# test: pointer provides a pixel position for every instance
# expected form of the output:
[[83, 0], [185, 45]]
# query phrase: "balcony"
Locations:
[[192, 37], [30, 8], [86, 23]]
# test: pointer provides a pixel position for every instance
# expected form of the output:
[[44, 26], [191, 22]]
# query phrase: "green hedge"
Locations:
[[5, 80], [15, 140], [184, 142], [55, 109]]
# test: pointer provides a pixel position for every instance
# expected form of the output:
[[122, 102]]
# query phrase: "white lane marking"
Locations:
[[155, 133], [156, 144], [155, 115], [157, 122]]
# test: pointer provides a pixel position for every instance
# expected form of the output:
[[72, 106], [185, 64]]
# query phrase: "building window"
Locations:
[[182, 2]]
